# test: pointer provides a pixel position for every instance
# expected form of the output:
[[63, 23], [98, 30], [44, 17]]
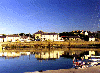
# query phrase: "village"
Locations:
[[45, 36], [81, 46]]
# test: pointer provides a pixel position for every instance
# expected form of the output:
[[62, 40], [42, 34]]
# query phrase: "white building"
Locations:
[[3, 39], [86, 33], [91, 38], [25, 38], [12, 38], [51, 37]]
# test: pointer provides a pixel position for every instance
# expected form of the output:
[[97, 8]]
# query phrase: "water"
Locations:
[[26, 63], [35, 61]]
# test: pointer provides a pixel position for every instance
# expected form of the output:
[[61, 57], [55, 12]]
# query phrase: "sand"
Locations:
[[94, 69]]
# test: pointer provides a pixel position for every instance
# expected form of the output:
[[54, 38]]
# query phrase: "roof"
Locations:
[[49, 33], [74, 37], [98, 31], [91, 37], [44, 33], [12, 35], [2, 36], [71, 36], [24, 37], [39, 32], [64, 36]]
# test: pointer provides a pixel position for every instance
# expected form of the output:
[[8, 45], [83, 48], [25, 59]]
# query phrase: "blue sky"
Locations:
[[24, 16]]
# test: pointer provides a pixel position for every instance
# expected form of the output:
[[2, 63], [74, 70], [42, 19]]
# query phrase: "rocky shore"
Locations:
[[94, 69]]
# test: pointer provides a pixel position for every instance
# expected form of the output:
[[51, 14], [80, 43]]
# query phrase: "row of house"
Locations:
[[78, 35], [44, 36], [13, 38]]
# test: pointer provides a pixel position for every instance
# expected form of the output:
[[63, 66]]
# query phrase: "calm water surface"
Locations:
[[30, 64]]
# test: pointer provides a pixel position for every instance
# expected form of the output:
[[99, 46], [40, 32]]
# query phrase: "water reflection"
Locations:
[[50, 55], [13, 54], [19, 62]]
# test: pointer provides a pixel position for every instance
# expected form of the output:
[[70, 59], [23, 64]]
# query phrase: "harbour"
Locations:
[[41, 59]]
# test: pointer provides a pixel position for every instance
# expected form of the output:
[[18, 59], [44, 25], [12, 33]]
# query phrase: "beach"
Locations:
[[94, 69]]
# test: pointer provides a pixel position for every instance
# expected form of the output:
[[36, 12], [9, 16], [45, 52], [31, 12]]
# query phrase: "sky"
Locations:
[[29, 16]]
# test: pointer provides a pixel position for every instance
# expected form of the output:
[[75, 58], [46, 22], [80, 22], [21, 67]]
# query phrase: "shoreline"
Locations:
[[94, 69]]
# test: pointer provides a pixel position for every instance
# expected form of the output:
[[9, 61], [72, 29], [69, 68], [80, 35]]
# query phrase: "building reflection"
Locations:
[[50, 55], [9, 55]]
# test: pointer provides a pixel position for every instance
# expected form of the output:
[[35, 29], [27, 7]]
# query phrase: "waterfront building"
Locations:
[[51, 37], [74, 38], [81, 32], [98, 34], [38, 35], [86, 33], [44, 36], [12, 38], [24, 38], [3, 39], [91, 38]]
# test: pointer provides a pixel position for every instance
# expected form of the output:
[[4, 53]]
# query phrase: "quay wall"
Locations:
[[50, 44], [53, 43]]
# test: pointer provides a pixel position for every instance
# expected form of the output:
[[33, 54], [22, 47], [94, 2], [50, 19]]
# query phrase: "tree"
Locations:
[[21, 34]]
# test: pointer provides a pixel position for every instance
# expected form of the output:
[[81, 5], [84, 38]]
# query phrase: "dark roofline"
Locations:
[[24, 37], [39, 32], [49, 33], [12, 35], [2, 36], [73, 36], [91, 37]]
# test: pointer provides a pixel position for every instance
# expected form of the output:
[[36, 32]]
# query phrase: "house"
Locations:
[[74, 38], [86, 33], [24, 38], [91, 38], [98, 34], [50, 36], [44, 36], [12, 38], [77, 32], [81, 32], [3, 39], [38, 35]]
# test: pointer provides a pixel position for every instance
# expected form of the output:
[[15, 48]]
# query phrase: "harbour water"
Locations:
[[20, 62], [30, 63]]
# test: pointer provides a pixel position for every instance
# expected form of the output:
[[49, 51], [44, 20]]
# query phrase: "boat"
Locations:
[[95, 58], [84, 63]]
